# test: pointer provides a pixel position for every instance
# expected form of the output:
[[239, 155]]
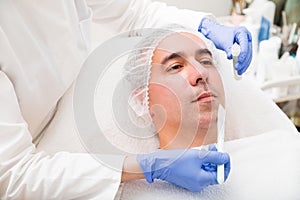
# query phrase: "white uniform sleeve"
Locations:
[[124, 15], [25, 174]]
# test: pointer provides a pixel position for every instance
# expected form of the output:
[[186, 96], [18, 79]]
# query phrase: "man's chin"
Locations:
[[207, 118]]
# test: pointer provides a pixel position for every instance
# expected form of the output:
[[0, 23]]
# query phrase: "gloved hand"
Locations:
[[224, 37], [191, 169]]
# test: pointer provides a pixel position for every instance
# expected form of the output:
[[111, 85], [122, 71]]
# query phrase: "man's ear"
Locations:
[[138, 94]]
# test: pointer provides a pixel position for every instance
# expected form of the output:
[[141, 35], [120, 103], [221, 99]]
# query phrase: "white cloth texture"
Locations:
[[42, 47]]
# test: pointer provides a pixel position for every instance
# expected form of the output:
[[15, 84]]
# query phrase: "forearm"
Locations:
[[131, 169]]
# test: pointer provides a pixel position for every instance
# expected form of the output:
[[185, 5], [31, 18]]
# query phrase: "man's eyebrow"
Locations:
[[203, 51], [182, 54], [172, 56]]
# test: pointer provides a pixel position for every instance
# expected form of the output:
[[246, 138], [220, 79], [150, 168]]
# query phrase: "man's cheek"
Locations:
[[160, 94], [164, 98]]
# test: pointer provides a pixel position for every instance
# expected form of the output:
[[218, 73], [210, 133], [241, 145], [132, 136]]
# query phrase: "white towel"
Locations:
[[264, 167]]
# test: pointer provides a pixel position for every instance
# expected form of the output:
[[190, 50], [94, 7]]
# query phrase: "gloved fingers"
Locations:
[[204, 26], [212, 170], [244, 39], [212, 178], [229, 52], [245, 63], [209, 167], [143, 160], [215, 157], [212, 147], [227, 169], [205, 178]]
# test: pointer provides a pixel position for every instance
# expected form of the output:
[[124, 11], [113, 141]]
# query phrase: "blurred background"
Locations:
[[217, 7]]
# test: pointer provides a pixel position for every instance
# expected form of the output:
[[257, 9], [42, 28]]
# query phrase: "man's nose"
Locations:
[[197, 75]]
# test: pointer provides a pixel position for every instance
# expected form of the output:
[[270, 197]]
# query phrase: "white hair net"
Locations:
[[138, 68]]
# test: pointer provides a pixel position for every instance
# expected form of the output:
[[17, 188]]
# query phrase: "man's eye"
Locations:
[[174, 68], [206, 62]]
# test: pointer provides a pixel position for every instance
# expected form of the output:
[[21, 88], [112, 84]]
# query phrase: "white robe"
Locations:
[[42, 47]]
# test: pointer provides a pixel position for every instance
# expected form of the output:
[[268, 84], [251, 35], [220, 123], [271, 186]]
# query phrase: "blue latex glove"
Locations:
[[224, 37], [191, 169]]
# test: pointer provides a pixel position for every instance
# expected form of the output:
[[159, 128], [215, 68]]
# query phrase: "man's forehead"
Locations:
[[182, 40]]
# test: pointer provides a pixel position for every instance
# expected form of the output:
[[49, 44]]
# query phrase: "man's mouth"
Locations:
[[204, 97]]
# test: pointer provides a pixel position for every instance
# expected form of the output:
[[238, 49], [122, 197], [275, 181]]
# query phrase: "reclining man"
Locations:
[[176, 85], [176, 89]]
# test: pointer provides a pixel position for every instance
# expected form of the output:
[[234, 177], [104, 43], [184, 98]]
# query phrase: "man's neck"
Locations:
[[174, 138]]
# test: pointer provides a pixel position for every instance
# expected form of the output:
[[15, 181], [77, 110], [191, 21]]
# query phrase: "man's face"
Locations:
[[185, 88]]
